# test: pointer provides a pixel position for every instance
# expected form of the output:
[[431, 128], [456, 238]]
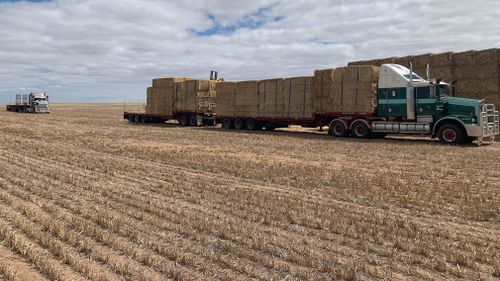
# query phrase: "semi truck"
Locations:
[[30, 103], [405, 104], [354, 101]]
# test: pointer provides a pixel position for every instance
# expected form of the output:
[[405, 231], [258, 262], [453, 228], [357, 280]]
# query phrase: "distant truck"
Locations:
[[31, 103]]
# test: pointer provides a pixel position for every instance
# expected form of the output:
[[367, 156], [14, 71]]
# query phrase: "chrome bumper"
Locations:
[[489, 124]]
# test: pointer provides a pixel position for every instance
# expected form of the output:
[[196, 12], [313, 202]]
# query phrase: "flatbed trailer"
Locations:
[[270, 123], [22, 108], [184, 118]]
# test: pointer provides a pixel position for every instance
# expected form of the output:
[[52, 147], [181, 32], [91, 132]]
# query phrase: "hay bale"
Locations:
[[300, 97], [226, 99], [444, 73], [463, 58], [149, 101], [272, 100], [440, 60], [247, 98], [323, 90]]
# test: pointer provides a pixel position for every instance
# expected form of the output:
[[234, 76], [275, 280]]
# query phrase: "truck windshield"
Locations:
[[40, 99]]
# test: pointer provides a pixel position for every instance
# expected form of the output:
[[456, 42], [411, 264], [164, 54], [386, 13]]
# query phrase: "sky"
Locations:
[[108, 51]]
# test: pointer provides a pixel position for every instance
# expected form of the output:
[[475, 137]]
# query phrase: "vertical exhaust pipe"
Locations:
[[427, 72], [410, 97]]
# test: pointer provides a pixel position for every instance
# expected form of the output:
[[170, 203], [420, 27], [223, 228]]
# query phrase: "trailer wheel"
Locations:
[[238, 124], [193, 120], [142, 119], [131, 119], [251, 125], [360, 130], [226, 123], [450, 134], [337, 128], [184, 120]]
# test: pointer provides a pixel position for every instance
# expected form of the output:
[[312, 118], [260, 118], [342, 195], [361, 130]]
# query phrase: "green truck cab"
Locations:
[[407, 103]]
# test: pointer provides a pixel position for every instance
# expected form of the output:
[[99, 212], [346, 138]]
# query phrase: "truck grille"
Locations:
[[490, 120]]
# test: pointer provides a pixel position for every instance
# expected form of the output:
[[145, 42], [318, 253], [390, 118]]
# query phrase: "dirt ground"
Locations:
[[85, 195]]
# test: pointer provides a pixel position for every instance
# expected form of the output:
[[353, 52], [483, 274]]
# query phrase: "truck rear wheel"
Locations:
[[193, 120], [184, 120], [450, 134], [360, 130], [226, 124], [238, 124], [338, 128], [251, 125]]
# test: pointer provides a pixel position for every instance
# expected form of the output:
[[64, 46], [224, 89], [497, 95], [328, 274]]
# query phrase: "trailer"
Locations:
[[184, 118], [190, 102], [30, 103]]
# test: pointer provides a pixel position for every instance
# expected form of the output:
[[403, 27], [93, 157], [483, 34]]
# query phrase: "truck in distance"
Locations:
[[32, 103]]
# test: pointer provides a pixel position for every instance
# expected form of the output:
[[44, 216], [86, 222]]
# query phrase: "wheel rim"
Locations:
[[360, 130], [338, 129], [238, 124], [250, 125], [193, 121], [449, 135]]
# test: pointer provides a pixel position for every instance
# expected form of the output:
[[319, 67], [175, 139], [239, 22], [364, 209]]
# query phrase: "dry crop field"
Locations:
[[86, 196]]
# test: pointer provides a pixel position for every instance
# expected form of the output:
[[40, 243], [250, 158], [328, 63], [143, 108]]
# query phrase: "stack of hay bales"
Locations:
[[160, 97], [441, 67], [272, 99], [226, 99], [351, 89], [300, 97], [247, 99], [477, 74], [194, 96]]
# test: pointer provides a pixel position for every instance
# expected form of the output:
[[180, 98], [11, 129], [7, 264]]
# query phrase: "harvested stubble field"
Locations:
[[84, 195]]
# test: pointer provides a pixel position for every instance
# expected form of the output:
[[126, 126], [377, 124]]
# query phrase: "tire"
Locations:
[[142, 119], [137, 119], [360, 130], [251, 125], [238, 124], [227, 124], [451, 134], [193, 121], [184, 120], [338, 129], [131, 119]]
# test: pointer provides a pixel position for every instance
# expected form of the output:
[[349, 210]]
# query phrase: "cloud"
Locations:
[[108, 50]]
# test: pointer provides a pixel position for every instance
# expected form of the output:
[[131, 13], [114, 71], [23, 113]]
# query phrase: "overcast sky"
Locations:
[[101, 50]]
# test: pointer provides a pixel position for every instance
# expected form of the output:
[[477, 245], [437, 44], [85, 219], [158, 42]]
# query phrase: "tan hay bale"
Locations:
[[300, 96], [149, 101], [445, 73], [489, 85], [420, 61], [167, 81], [226, 99], [488, 56], [468, 88], [463, 58], [440, 60], [271, 97]]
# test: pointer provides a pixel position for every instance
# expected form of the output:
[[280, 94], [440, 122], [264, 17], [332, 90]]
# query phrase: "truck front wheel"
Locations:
[[450, 134]]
